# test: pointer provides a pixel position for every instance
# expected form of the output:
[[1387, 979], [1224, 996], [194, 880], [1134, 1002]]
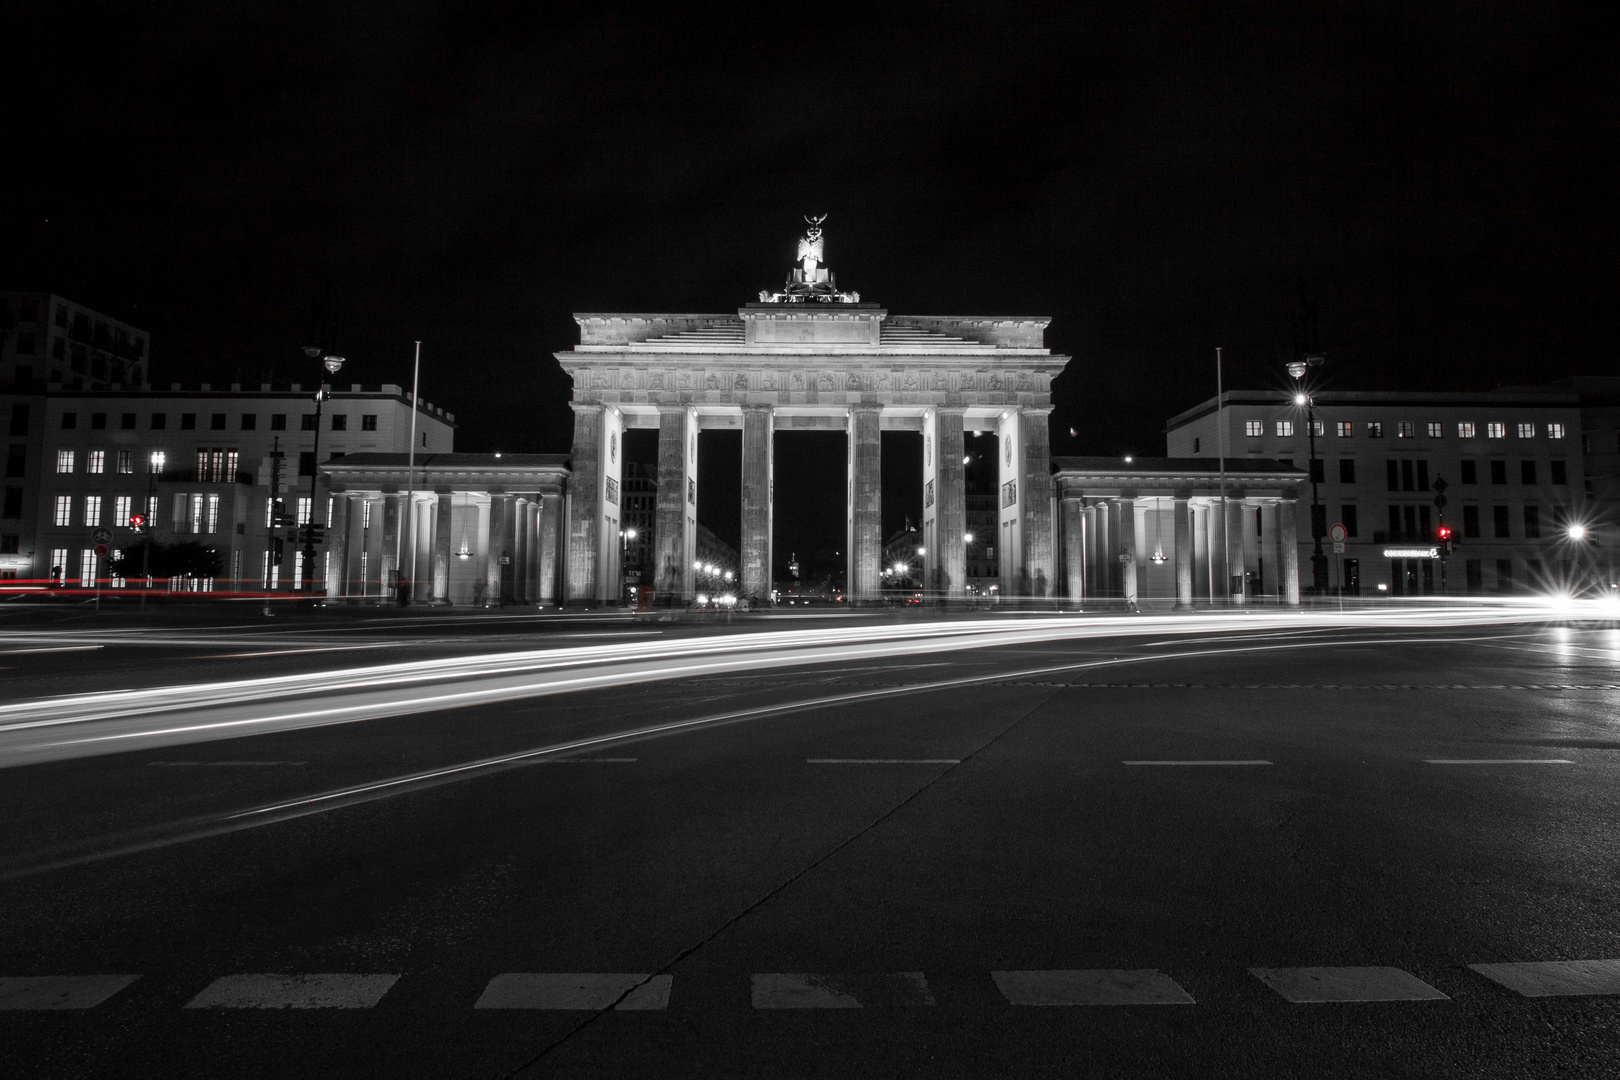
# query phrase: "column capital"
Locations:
[[757, 407], [864, 407], [1030, 410]]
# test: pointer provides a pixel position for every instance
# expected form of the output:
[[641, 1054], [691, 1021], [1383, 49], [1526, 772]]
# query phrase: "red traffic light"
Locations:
[[1444, 532], [137, 520]]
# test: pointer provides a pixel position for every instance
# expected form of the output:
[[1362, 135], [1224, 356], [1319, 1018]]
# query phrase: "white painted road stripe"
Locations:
[[1316, 985], [785, 991], [849, 990], [60, 991], [586, 991], [1101, 986], [883, 761], [1556, 978], [340, 990], [220, 764], [1234, 761], [1499, 761]]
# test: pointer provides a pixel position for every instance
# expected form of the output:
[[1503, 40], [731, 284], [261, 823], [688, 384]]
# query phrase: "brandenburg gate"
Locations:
[[811, 358]]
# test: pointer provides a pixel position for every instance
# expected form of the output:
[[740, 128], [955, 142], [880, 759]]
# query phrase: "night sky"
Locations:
[[1438, 182]]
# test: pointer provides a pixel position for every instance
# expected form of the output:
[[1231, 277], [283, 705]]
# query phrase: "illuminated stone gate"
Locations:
[[811, 358]]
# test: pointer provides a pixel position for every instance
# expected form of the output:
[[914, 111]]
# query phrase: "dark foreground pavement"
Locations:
[[893, 886]]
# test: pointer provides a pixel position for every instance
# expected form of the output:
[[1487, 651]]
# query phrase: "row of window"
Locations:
[[199, 512], [1416, 522], [216, 421], [214, 464], [1404, 429], [1409, 474]]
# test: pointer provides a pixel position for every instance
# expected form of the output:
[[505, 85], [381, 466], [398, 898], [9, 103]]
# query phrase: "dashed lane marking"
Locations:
[[882, 761], [781, 990], [1498, 761], [60, 991], [1319, 985], [1556, 978], [591, 991], [219, 764], [1101, 986], [1232, 761], [338, 990]]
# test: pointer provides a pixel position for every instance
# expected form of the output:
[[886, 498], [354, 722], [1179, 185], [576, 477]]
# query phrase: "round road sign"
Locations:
[[102, 536], [101, 549], [1336, 534]]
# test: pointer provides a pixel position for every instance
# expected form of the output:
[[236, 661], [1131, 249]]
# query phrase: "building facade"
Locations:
[[1504, 470], [49, 342]]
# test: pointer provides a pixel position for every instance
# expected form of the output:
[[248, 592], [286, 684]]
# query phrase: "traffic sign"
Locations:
[[1337, 535], [101, 536], [1338, 547], [101, 550]]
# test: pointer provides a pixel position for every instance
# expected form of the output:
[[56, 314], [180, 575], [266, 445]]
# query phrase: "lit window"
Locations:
[[64, 461], [92, 510], [126, 461], [1495, 429], [365, 513], [64, 511], [303, 512], [1253, 428], [196, 513], [1465, 429], [1527, 431], [59, 558], [1316, 425], [232, 460], [1375, 429], [95, 461], [87, 568], [1555, 431], [1436, 430], [1403, 429], [121, 511], [1346, 429], [213, 514], [1285, 428]]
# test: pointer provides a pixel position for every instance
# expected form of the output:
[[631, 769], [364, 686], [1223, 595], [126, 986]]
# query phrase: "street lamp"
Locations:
[[1297, 369], [332, 364]]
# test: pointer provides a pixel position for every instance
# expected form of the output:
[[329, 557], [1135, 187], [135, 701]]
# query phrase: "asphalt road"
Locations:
[[974, 856]]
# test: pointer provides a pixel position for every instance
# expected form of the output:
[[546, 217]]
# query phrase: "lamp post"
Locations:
[[1297, 369], [332, 364]]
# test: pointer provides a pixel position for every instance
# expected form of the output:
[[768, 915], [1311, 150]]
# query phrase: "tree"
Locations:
[[188, 559]]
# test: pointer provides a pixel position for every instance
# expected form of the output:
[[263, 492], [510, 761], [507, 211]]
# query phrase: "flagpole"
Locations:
[[410, 475]]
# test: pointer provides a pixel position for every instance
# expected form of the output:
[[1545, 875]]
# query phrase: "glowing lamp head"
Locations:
[[967, 538], [1296, 368], [332, 364], [1299, 399], [629, 534], [1577, 532]]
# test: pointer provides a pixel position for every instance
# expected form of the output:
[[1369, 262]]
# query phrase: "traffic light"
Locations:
[[1443, 534], [136, 521]]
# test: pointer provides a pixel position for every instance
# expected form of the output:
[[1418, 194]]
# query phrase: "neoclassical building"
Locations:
[[810, 358]]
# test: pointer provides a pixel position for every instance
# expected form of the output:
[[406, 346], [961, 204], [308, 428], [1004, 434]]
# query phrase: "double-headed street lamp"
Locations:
[[1297, 369], [332, 364]]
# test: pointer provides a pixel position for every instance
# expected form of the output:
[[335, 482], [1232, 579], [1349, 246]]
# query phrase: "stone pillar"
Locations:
[[550, 528], [393, 509], [442, 531], [357, 568], [532, 574], [419, 562], [1220, 581], [337, 547], [1074, 548], [949, 551], [1039, 560], [758, 437], [1235, 563], [675, 530], [585, 509], [1184, 552], [1126, 510], [1287, 552], [498, 551], [1092, 589], [521, 535], [1200, 552], [864, 512]]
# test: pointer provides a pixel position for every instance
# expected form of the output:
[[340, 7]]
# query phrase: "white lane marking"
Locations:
[[1232, 761], [1317, 985], [336, 990], [1556, 978], [589, 761], [780, 990], [35, 992], [580, 991], [56, 648], [1101, 986], [1498, 761], [883, 761], [855, 990], [219, 764]]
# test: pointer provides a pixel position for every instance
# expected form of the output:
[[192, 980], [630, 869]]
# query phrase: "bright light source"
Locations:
[[702, 599], [1382, 587], [1577, 532], [332, 363], [1299, 399], [728, 575], [966, 458], [1127, 457], [629, 534], [967, 538], [899, 568], [920, 551]]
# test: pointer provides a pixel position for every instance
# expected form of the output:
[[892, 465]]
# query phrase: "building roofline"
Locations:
[[1341, 398]]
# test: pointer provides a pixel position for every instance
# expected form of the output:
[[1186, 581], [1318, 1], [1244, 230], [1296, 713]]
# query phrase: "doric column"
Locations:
[[393, 519], [1127, 548], [1288, 552], [356, 567], [675, 531], [1184, 552], [532, 574], [337, 547], [1235, 563], [1039, 561], [498, 551], [585, 509], [758, 436], [949, 550], [520, 551], [550, 529], [419, 562], [1200, 552], [1074, 547], [1220, 577], [442, 531], [865, 498]]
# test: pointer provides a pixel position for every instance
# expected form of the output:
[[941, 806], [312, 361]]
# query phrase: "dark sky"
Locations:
[[1160, 180]]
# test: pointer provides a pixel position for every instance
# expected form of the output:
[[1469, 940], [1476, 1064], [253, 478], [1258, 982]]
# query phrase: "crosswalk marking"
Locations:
[[1316, 985], [781, 990], [336, 990], [35, 992], [1100, 986], [1556, 978], [577, 990]]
